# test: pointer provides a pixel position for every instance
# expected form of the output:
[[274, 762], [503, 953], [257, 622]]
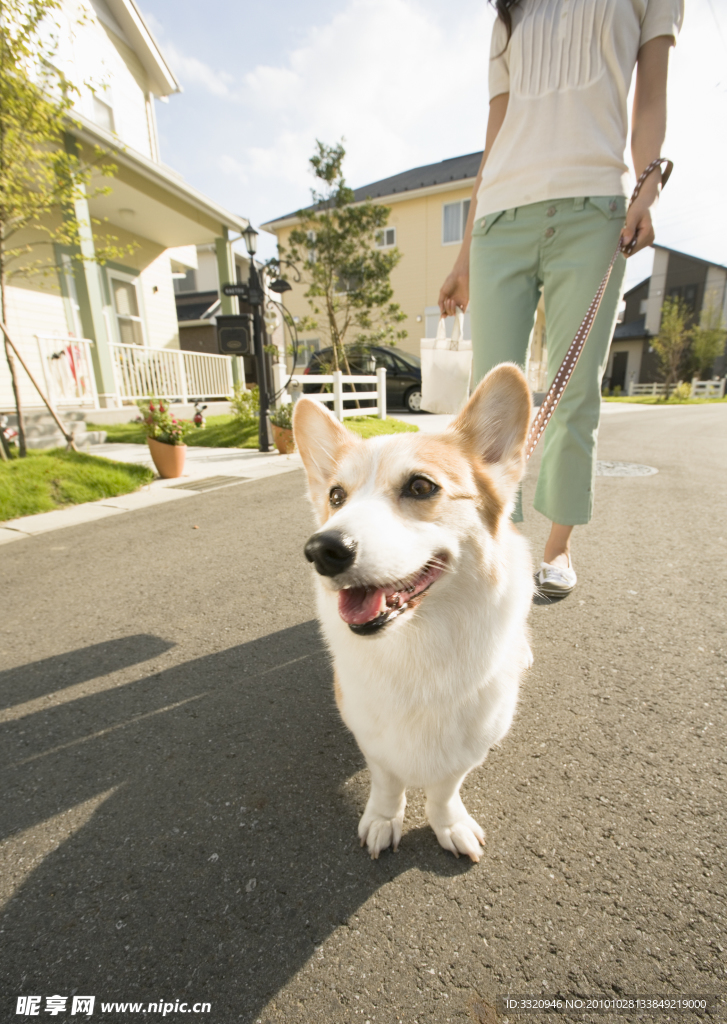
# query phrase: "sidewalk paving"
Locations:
[[219, 464], [220, 467]]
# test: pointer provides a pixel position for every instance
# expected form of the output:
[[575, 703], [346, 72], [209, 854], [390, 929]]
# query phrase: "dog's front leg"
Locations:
[[456, 830], [382, 820]]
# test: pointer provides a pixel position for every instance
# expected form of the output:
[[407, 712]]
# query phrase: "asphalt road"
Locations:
[[178, 798]]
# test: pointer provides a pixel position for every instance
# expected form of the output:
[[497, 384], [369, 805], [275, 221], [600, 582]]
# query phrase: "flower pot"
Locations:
[[283, 439], [168, 458]]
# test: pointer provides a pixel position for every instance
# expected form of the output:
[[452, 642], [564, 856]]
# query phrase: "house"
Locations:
[[697, 282], [429, 209], [101, 336], [199, 300]]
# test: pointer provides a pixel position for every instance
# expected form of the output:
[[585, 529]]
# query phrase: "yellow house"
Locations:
[[429, 208]]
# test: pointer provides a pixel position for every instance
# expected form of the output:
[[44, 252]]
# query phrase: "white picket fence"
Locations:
[[68, 370], [708, 388], [170, 373], [647, 389], [700, 388], [340, 399]]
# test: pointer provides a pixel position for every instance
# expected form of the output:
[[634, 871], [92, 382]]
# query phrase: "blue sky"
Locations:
[[405, 83]]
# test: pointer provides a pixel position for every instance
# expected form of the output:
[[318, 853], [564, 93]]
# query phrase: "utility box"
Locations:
[[235, 335]]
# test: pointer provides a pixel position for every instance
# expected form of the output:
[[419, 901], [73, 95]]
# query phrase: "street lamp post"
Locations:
[[256, 299]]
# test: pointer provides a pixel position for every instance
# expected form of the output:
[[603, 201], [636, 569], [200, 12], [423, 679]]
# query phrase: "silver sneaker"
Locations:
[[556, 579]]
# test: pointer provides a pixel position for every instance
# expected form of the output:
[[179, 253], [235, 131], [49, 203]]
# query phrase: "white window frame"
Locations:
[[104, 101], [119, 275], [463, 214], [384, 232]]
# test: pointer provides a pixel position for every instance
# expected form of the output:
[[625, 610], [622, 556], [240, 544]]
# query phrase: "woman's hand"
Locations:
[[455, 291], [639, 225]]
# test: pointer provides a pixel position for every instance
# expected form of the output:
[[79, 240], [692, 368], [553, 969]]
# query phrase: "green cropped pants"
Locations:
[[563, 246]]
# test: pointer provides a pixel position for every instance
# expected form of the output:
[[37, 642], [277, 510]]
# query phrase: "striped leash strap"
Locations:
[[565, 372]]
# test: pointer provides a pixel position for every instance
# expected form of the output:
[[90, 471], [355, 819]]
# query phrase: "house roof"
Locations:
[[633, 329], [688, 256], [157, 174], [129, 18], [455, 169]]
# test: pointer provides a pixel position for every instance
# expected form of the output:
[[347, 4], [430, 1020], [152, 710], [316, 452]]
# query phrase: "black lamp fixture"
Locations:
[[280, 286], [250, 236]]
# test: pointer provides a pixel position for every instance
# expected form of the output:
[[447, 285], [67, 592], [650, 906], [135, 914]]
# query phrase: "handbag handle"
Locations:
[[457, 330]]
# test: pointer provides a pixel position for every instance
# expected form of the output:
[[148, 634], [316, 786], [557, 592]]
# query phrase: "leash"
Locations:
[[565, 372]]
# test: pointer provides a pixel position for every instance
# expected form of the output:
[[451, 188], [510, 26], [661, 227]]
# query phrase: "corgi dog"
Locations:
[[423, 591]]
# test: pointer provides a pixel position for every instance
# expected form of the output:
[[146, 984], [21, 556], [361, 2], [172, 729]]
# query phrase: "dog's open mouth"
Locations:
[[367, 609]]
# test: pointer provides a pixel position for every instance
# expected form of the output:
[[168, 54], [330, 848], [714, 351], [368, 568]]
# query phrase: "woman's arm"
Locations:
[[648, 129], [456, 289]]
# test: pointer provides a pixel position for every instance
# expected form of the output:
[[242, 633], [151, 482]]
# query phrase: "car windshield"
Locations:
[[409, 359]]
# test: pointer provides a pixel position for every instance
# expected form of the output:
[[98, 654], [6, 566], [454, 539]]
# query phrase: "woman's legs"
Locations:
[[504, 294], [567, 244], [574, 260]]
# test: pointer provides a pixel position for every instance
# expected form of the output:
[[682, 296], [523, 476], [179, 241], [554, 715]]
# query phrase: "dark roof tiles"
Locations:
[[458, 168]]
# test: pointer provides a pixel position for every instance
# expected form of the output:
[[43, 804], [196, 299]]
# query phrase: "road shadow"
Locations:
[[220, 848]]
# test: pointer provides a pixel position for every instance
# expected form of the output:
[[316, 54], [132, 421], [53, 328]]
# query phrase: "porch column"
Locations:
[[229, 305], [90, 292]]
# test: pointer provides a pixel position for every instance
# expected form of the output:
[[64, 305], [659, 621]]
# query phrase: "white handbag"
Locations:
[[446, 368]]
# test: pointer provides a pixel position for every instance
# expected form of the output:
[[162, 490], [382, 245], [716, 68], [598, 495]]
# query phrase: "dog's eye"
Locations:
[[337, 496], [420, 487]]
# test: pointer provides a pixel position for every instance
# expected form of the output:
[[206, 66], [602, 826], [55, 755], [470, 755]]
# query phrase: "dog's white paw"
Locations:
[[377, 832], [464, 836]]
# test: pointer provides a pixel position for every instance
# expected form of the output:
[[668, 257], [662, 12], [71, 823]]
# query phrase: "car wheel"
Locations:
[[413, 400]]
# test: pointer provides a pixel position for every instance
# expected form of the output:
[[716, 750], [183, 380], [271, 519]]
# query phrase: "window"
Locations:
[[186, 282], [126, 308], [386, 238], [103, 115], [687, 293], [454, 219]]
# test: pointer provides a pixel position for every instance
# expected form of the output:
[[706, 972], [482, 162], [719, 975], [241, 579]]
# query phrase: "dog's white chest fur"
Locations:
[[431, 696]]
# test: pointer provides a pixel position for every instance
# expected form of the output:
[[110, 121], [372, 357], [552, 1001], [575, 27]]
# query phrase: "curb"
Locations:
[[204, 477]]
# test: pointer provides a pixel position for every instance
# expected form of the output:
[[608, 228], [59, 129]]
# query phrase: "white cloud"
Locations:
[[414, 93], [191, 70], [404, 82]]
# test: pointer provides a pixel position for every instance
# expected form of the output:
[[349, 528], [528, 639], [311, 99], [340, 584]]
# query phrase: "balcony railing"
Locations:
[[68, 370], [170, 373]]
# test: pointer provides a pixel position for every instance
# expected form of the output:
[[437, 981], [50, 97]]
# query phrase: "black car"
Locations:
[[403, 372]]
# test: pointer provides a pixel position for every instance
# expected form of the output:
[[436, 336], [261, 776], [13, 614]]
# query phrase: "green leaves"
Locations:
[[347, 275], [43, 171]]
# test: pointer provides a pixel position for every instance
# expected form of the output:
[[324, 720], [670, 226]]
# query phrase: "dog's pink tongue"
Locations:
[[358, 605]]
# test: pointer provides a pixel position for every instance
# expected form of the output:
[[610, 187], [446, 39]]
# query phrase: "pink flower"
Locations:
[[161, 407], [151, 407]]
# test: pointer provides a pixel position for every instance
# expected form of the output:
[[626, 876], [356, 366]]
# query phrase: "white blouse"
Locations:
[[567, 68]]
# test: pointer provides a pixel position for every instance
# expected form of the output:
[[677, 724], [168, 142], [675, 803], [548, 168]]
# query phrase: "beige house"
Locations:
[[429, 208], [101, 336]]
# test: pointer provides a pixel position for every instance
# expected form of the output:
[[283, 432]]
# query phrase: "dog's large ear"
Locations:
[[321, 441], [494, 423]]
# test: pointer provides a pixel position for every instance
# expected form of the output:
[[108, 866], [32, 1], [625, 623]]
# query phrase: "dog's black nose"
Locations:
[[331, 552]]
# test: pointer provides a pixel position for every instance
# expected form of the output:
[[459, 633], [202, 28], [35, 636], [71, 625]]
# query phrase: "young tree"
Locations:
[[708, 338], [346, 273], [42, 173], [672, 341]]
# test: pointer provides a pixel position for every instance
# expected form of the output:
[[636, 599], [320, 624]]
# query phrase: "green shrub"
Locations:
[[283, 416], [245, 402]]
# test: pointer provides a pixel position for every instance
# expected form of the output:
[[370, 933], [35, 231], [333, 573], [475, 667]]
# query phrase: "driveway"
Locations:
[[180, 798]]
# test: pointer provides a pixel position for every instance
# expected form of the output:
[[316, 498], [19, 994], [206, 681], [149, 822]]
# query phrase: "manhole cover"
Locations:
[[624, 469], [210, 483]]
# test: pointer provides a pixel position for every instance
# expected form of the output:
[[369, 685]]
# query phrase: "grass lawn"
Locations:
[[230, 432], [51, 479], [657, 400]]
